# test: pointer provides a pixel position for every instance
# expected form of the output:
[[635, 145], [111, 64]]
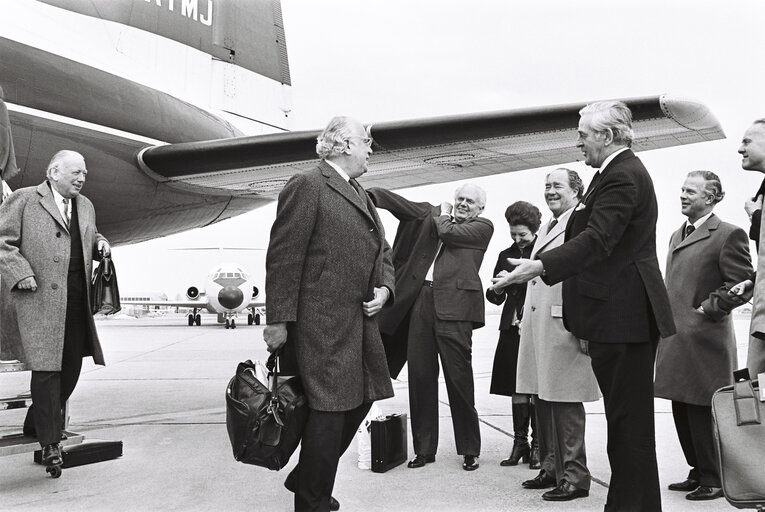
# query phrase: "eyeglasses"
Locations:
[[366, 140]]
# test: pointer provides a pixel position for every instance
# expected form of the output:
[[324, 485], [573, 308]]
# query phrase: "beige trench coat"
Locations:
[[550, 362]]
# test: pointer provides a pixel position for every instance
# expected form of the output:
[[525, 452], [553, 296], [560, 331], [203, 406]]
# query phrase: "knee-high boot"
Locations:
[[521, 449], [534, 455]]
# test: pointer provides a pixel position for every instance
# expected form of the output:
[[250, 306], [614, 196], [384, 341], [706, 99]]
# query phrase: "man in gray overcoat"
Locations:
[[48, 240], [706, 256], [328, 274], [551, 364]]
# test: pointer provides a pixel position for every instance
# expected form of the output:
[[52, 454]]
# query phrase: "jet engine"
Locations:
[[192, 293]]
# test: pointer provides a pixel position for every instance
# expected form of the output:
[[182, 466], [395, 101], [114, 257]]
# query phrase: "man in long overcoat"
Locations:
[[706, 256], [48, 240], [328, 274], [551, 364]]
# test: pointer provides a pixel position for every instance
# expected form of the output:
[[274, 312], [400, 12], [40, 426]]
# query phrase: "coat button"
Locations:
[[56, 259], [58, 234], [533, 308], [54, 286], [534, 282]]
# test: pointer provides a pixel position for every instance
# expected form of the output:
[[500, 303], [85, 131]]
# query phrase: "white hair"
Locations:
[[331, 142]]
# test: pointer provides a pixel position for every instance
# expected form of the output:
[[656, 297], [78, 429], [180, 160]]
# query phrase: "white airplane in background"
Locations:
[[228, 291]]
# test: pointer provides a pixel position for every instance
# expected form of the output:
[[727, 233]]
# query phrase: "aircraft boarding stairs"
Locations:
[[13, 444], [74, 451]]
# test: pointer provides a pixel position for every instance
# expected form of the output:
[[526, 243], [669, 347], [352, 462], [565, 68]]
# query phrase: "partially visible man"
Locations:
[[551, 364], [706, 257], [48, 241], [437, 256], [8, 167], [752, 152], [328, 274], [614, 299]]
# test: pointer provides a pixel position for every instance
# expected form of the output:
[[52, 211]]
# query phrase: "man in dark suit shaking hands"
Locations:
[[328, 274], [614, 299]]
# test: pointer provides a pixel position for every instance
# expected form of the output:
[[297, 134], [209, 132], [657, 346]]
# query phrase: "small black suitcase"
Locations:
[[88, 452], [389, 445]]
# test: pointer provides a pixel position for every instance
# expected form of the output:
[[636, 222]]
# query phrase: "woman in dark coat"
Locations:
[[524, 220]]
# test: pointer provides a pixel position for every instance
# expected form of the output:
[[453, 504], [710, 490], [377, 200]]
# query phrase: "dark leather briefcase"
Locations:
[[388, 438], [739, 432]]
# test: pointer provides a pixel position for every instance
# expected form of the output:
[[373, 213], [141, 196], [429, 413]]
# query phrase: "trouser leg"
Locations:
[[547, 454], [571, 457], [325, 438], [422, 358], [700, 420], [625, 374], [45, 388], [683, 428], [454, 341]]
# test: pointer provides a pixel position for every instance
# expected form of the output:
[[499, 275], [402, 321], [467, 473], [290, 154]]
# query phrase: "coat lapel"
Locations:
[[343, 188], [702, 233], [49, 204], [558, 230]]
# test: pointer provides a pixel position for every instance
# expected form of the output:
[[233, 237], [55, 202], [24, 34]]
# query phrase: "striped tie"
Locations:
[[67, 219]]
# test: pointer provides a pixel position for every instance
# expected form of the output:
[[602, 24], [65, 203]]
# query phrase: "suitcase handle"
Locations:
[[746, 403]]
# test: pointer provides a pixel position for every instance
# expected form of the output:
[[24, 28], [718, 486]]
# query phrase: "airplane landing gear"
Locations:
[[249, 319], [198, 319], [191, 320], [195, 318], [257, 319]]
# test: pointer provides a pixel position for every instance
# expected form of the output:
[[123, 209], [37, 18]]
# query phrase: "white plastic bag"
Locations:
[[363, 438]]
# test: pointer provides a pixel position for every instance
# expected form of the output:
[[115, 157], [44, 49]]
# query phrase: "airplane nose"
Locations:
[[230, 297]]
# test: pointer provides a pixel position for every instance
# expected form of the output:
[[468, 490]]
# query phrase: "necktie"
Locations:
[[67, 219], [689, 229], [552, 225], [360, 191], [593, 184]]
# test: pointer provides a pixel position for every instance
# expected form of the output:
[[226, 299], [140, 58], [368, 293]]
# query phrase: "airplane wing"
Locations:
[[423, 151], [254, 304]]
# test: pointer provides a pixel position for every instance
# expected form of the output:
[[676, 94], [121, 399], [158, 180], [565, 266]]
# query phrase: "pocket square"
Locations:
[[580, 206]]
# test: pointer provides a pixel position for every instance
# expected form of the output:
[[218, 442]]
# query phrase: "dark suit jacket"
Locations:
[[514, 295], [457, 292], [701, 357], [613, 290], [326, 254]]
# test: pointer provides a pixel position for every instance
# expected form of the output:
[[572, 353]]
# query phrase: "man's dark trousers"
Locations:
[[326, 437], [562, 435], [694, 430], [625, 375], [429, 338]]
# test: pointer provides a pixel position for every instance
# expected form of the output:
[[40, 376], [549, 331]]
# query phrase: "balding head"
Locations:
[[66, 173], [469, 202]]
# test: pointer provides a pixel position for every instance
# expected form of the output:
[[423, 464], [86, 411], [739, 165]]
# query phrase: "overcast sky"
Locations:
[[394, 59]]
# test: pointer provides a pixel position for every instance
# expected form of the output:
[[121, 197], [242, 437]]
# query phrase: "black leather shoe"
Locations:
[[420, 460], [565, 492], [705, 493], [289, 484], [51, 455], [687, 485], [470, 463], [542, 481]]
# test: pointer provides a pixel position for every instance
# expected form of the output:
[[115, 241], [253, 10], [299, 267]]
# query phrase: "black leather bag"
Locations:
[[739, 433], [104, 292], [388, 438], [264, 425]]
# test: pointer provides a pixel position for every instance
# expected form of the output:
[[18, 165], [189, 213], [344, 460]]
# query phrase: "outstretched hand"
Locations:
[[524, 271]]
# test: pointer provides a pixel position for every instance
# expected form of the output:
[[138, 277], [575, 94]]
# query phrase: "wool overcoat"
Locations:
[[701, 357], [550, 362], [326, 255], [34, 241]]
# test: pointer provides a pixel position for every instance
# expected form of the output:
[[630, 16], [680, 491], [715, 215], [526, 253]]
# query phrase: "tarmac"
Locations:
[[162, 394]]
